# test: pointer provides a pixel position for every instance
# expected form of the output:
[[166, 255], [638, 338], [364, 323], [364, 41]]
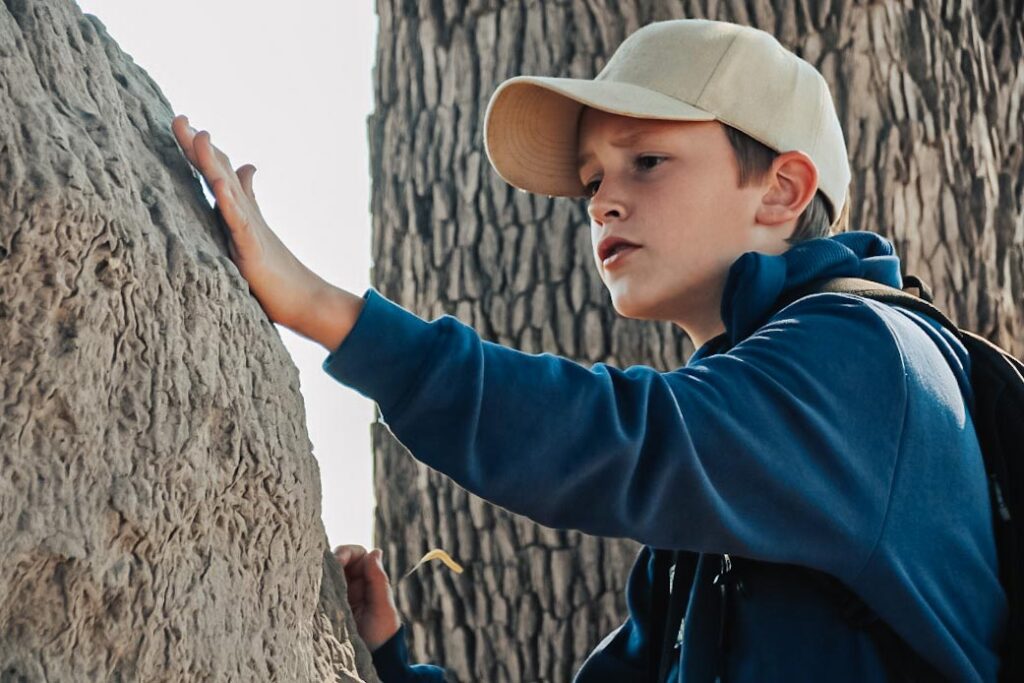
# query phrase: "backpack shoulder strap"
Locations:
[[876, 291], [684, 567]]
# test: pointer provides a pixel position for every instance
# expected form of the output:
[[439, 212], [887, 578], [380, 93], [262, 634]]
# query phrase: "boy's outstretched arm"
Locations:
[[779, 450], [289, 292]]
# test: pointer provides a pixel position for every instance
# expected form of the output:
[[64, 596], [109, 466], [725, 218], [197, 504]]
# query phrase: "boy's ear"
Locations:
[[789, 185]]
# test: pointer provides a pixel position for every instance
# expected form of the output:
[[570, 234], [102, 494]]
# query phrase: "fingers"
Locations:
[[231, 189], [360, 565], [352, 559], [235, 217], [184, 134], [201, 153], [208, 163], [349, 554]]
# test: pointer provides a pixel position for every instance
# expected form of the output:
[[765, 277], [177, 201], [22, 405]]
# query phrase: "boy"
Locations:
[[832, 433]]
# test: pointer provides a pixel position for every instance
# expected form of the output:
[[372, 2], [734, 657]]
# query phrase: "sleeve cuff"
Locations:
[[383, 355], [391, 662]]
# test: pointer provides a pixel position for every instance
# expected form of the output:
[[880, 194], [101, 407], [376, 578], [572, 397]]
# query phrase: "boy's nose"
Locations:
[[601, 209]]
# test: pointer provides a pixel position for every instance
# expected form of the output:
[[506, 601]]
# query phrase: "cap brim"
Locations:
[[531, 122]]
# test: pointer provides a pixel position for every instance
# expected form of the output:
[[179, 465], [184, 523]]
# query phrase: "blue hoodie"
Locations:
[[833, 433]]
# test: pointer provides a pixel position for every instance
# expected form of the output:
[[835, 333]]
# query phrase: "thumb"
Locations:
[[377, 576], [378, 562], [245, 174]]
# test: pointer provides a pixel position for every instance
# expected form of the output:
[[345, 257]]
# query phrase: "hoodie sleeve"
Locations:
[[391, 662], [781, 449]]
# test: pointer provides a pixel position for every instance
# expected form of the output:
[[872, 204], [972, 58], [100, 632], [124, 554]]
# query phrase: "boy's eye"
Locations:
[[643, 162], [646, 162]]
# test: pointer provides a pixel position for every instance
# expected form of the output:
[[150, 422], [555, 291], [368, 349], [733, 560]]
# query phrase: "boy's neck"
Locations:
[[702, 330], [699, 339]]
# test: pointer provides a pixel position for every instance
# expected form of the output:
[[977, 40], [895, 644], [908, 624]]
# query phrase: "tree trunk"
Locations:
[[930, 100], [159, 501]]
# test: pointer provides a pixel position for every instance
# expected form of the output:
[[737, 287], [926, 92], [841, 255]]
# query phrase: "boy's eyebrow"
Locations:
[[622, 141]]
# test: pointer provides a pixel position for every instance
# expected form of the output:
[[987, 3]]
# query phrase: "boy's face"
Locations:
[[671, 187]]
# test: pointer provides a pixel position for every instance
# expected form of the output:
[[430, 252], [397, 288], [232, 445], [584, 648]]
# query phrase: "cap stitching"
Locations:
[[822, 93], [715, 70], [821, 118]]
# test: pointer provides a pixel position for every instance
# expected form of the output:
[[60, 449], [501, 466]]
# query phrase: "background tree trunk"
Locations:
[[159, 501], [930, 100]]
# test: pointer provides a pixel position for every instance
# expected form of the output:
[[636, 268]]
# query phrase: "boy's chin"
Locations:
[[630, 307]]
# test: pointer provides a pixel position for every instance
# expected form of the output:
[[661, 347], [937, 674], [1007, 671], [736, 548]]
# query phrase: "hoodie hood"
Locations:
[[756, 281]]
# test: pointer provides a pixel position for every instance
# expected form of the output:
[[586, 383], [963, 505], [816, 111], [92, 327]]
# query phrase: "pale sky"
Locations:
[[288, 89]]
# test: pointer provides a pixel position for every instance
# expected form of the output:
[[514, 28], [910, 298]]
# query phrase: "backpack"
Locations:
[[997, 380]]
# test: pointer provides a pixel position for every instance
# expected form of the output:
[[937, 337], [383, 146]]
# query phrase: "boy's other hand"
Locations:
[[289, 292], [369, 594]]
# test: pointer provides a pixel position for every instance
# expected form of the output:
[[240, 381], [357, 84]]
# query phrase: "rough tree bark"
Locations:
[[159, 501], [930, 99]]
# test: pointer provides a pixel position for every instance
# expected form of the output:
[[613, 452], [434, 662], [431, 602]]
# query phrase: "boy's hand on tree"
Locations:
[[289, 292], [369, 594]]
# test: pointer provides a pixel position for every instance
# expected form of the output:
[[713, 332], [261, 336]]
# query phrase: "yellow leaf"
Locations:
[[437, 554]]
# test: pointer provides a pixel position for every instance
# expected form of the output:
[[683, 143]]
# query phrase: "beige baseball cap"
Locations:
[[682, 70]]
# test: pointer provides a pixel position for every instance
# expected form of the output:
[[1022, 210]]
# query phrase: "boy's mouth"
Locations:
[[612, 245]]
